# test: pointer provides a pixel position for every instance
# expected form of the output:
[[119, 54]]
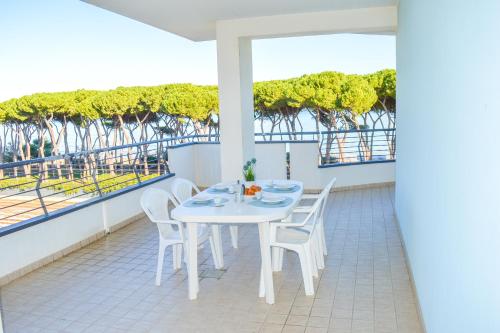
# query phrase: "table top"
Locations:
[[242, 212]]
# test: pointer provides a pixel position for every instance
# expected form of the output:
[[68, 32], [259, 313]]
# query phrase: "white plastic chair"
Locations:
[[321, 249], [182, 190], [299, 237], [155, 202], [319, 244]]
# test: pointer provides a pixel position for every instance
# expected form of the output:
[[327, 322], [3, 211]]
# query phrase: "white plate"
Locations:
[[273, 200], [220, 188], [284, 186], [200, 200]]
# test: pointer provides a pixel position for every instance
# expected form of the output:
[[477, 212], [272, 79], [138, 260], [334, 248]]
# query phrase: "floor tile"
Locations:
[[108, 286]]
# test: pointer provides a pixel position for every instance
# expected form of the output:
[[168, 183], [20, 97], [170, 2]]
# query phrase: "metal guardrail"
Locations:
[[287, 136], [41, 186], [357, 146], [343, 147]]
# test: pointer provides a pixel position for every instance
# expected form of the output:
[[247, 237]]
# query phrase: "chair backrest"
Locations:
[[327, 191], [182, 189], [318, 208], [313, 216], [154, 202]]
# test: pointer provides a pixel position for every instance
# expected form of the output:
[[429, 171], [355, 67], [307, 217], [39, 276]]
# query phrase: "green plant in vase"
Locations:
[[249, 170]]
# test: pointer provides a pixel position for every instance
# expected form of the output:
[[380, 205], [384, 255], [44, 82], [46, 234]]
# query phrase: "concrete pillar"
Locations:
[[234, 63]]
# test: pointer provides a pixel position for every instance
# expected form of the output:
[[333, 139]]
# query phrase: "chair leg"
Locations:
[[180, 251], [262, 287], [275, 252], [159, 265], [318, 250], [218, 245], [312, 256], [233, 230], [215, 257], [277, 258], [175, 256], [185, 247], [281, 258], [323, 239], [305, 264]]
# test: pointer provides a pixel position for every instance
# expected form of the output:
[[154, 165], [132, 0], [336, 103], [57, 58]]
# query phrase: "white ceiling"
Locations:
[[195, 19]]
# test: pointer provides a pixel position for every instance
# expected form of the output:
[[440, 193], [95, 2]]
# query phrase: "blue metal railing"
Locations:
[[357, 146], [41, 186]]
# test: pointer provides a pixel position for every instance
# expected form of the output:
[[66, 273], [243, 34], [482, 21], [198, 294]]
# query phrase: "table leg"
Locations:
[[265, 252], [262, 289], [218, 245], [192, 252]]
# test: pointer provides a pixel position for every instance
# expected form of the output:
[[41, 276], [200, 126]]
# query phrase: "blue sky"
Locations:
[[58, 45]]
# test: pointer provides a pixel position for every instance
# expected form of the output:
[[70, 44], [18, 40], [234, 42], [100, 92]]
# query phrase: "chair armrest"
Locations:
[[275, 225], [310, 196], [302, 209], [287, 224], [166, 221]]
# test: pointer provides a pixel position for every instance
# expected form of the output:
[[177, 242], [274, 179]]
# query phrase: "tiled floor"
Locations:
[[109, 285]]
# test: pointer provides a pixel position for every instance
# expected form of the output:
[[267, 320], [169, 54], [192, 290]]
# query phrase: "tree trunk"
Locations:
[[1, 153], [55, 145], [69, 161], [108, 158], [142, 149], [262, 128], [127, 138], [365, 150], [21, 141]]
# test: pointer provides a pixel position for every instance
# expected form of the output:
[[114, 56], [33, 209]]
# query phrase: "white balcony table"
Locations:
[[233, 212]]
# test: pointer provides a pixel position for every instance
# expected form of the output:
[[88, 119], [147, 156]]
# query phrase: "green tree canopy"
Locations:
[[198, 103], [116, 103], [326, 92], [356, 95], [384, 84], [323, 90]]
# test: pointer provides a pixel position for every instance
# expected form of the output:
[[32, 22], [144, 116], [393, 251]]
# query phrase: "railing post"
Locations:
[[93, 167], [37, 188], [320, 145], [134, 167], [165, 160]]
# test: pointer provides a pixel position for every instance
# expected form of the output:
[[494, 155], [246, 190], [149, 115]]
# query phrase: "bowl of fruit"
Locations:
[[252, 190]]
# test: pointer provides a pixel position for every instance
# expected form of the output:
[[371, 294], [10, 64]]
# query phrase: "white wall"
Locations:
[[271, 160], [304, 158], [447, 173], [201, 162], [207, 164], [27, 246], [24, 247], [125, 206], [181, 161]]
